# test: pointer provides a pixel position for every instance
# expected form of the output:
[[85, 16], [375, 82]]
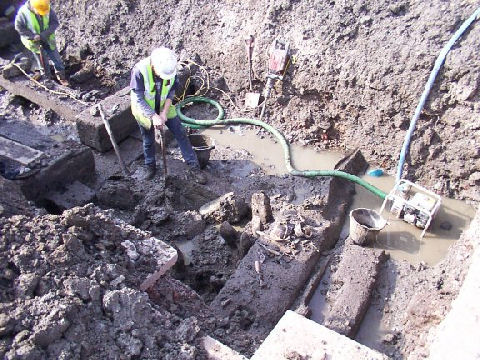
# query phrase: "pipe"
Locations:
[[286, 146], [428, 86]]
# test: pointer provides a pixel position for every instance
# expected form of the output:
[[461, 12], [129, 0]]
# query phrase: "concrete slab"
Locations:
[[75, 194], [116, 107], [351, 288], [295, 337], [17, 152]]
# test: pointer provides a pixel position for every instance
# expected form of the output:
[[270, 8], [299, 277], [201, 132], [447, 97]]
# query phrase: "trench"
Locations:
[[399, 239]]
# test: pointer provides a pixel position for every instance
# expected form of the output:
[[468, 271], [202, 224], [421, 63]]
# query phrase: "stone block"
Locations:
[[74, 194], [351, 289], [261, 207], [60, 104], [17, 152], [91, 129], [76, 164]]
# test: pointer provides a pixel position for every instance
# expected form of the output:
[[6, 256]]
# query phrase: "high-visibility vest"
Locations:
[[34, 26], [149, 94]]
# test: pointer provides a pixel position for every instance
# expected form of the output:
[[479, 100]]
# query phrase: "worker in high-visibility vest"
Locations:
[[153, 83], [36, 23]]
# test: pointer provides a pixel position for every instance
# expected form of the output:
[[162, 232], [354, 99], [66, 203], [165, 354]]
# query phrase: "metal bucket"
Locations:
[[365, 224], [202, 145]]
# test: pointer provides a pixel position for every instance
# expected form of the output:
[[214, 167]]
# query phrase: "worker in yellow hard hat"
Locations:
[[36, 23]]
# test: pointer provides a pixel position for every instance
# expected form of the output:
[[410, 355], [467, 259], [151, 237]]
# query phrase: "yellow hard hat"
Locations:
[[41, 7]]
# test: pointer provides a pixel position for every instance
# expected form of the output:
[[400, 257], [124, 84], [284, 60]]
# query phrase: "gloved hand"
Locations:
[[159, 121], [44, 36], [37, 38]]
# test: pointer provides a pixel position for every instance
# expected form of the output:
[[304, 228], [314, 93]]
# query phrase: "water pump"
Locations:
[[413, 204]]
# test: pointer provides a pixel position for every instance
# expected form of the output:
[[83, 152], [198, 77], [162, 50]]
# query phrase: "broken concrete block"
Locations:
[[261, 208], [229, 207], [116, 107], [352, 286], [295, 337], [217, 351]]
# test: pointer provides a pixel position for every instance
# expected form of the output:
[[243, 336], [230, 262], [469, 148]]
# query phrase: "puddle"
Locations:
[[402, 240], [268, 154]]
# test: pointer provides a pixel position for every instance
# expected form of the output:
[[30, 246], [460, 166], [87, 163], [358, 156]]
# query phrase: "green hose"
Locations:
[[219, 120]]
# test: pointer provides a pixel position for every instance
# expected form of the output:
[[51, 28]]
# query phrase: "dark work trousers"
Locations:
[[175, 126]]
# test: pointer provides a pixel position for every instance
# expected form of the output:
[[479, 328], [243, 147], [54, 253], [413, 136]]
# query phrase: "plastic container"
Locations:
[[202, 145], [365, 224]]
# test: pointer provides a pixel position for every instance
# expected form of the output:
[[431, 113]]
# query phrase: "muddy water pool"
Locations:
[[401, 240]]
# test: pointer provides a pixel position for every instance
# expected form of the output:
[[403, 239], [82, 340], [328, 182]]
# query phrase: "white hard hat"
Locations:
[[164, 62]]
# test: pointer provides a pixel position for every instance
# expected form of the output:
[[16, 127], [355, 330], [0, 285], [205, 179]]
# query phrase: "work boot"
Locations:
[[151, 171], [62, 78], [37, 76], [197, 175]]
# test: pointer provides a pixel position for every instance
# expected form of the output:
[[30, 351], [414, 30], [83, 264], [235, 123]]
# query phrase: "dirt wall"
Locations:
[[359, 69]]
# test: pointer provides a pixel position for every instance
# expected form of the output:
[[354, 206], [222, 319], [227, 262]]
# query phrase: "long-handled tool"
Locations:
[[161, 141], [114, 143], [249, 46], [279, 52], [251, 98], [45, 65]]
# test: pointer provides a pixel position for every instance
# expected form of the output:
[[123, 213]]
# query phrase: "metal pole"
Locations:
[[161, 139]]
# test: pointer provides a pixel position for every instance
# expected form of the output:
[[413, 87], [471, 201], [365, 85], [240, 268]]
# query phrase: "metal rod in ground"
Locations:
[[112, 139], [161, 139]]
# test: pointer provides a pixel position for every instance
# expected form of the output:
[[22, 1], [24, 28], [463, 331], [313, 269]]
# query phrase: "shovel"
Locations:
[[160, 136], [251, 99]]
